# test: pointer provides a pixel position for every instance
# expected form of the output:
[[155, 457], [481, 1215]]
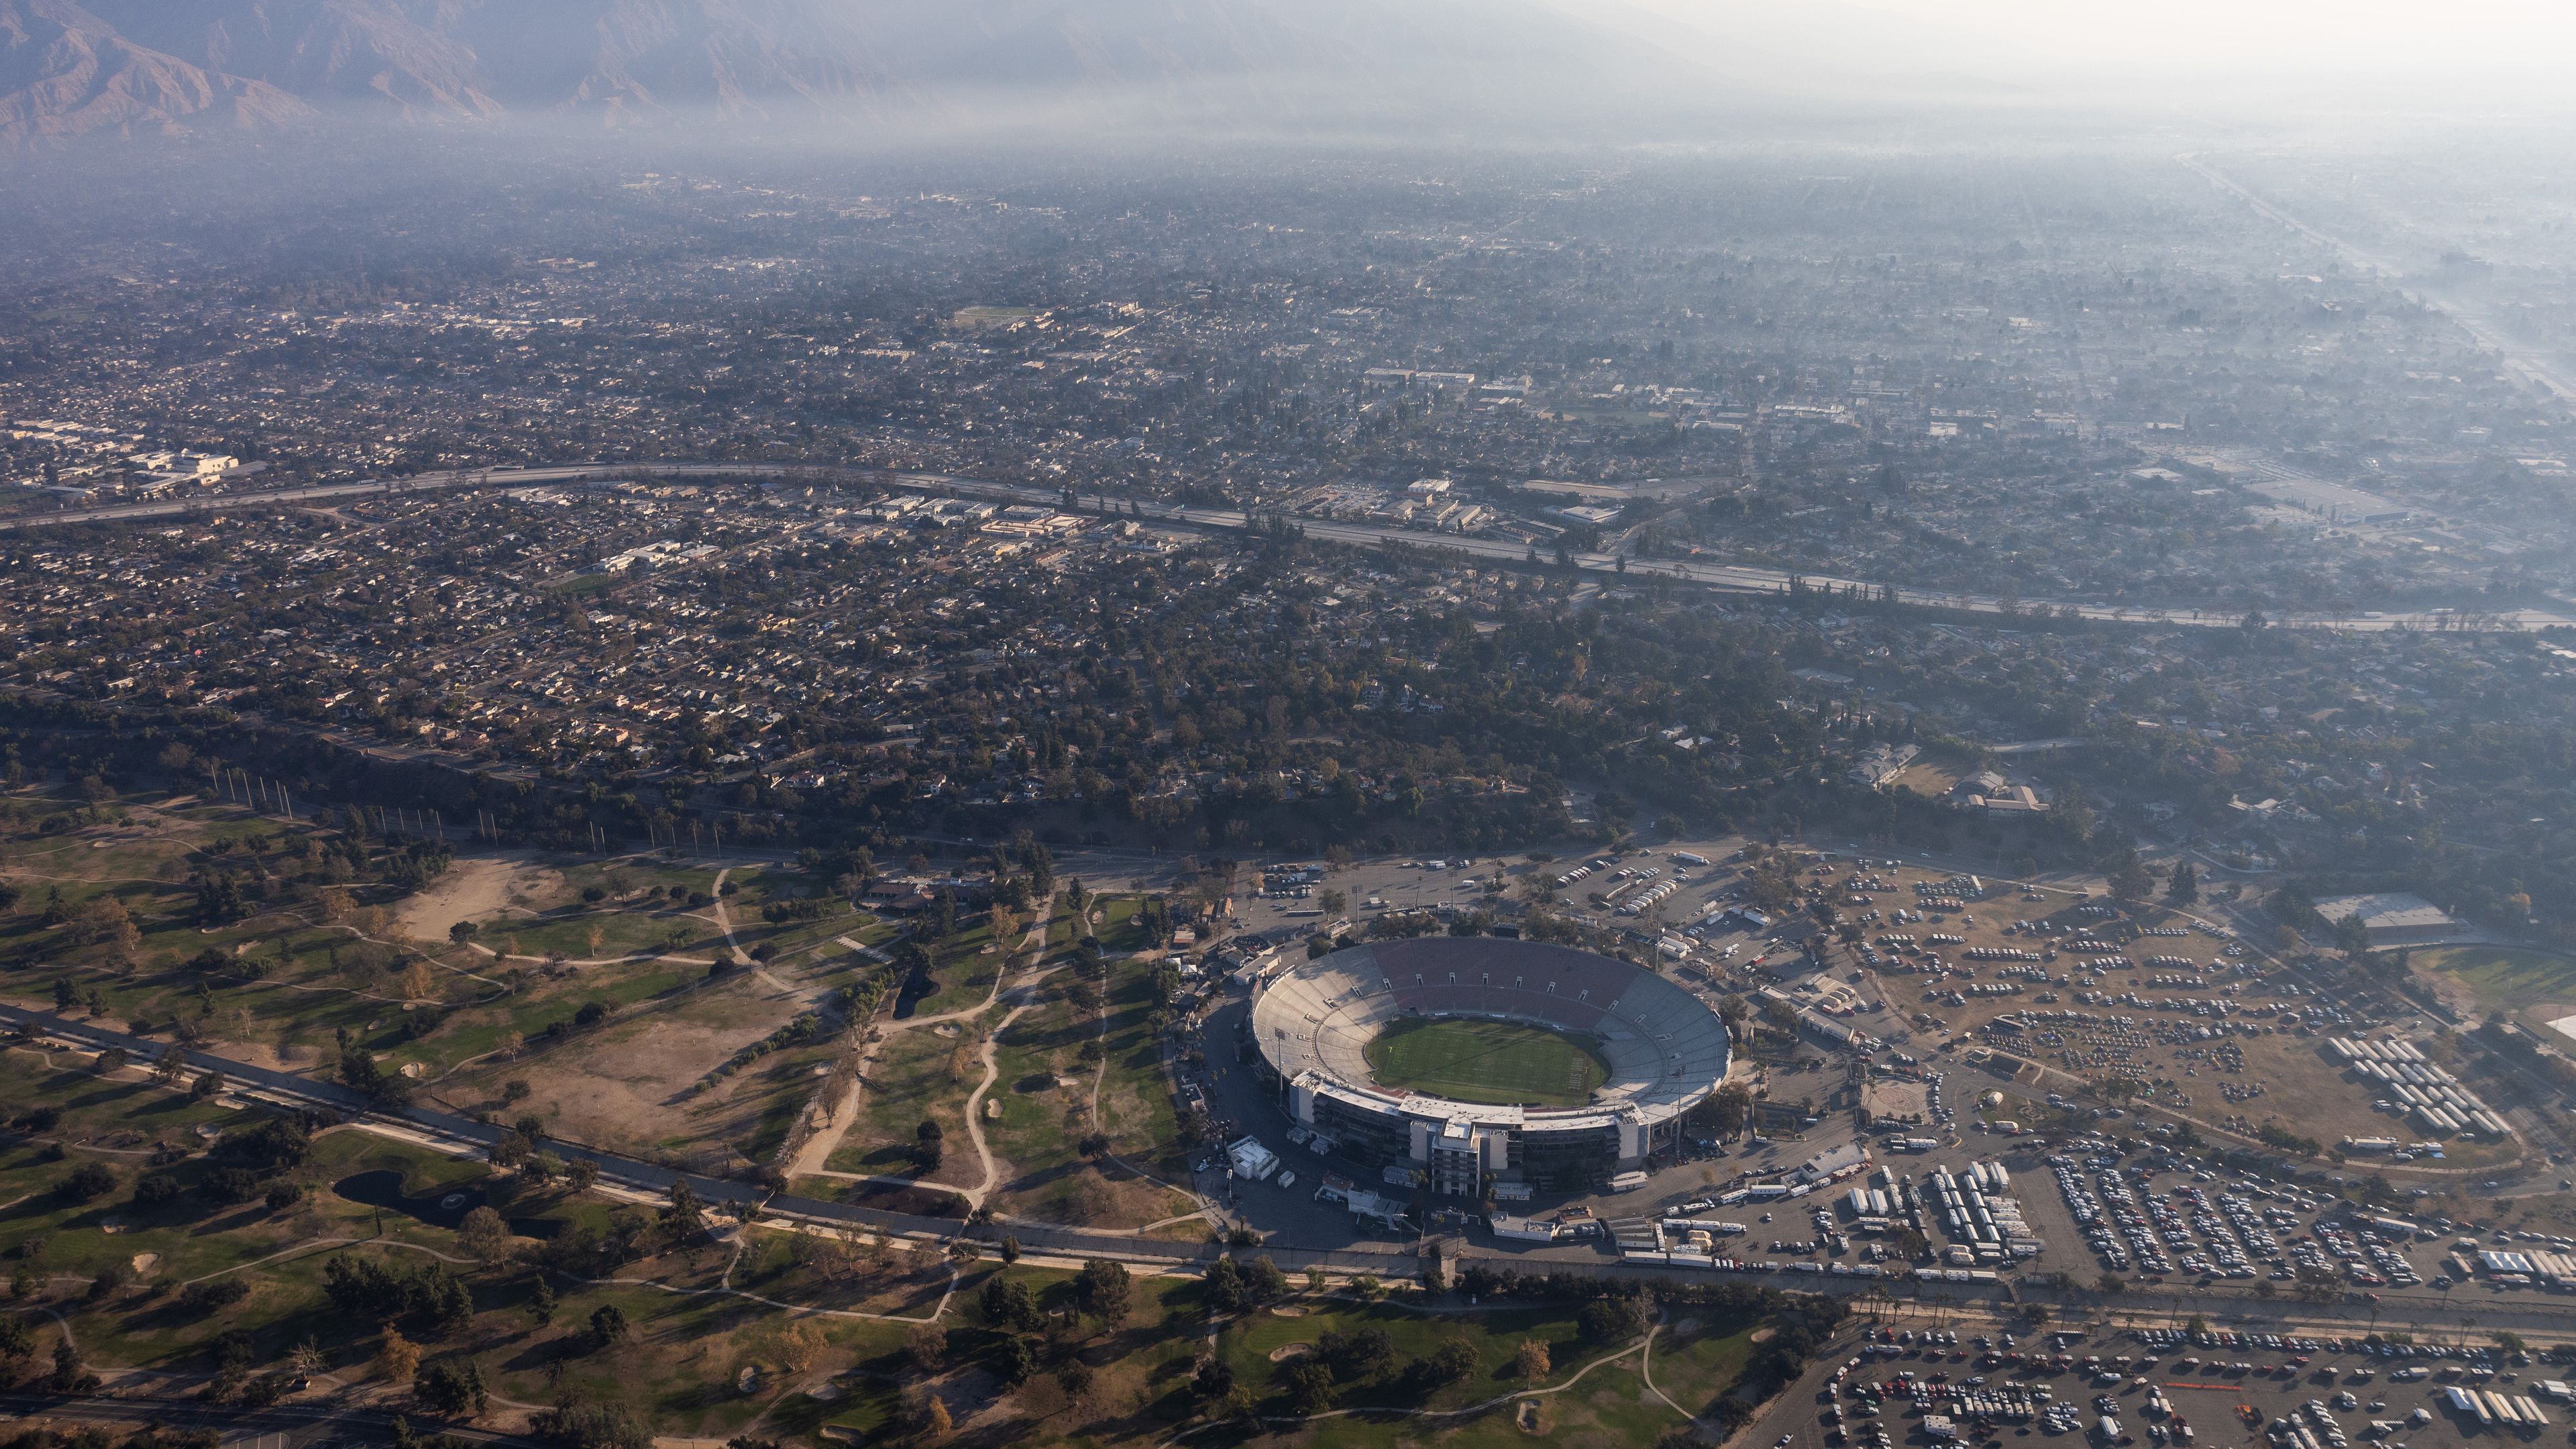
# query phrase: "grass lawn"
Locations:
[[2501, 976], [702, 1363], [1610, 1407], [1487, 1061], [1045, 1091], [919, 1075], [591, 935]]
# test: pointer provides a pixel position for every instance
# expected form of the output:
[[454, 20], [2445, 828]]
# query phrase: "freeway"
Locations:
[[1732, 578], [2534, 367], [288, 1426], [1390, 1261], [458, 1133]]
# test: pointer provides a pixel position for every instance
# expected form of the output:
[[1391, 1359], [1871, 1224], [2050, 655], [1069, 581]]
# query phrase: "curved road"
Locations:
[[1734, 578], [1391, 1262]]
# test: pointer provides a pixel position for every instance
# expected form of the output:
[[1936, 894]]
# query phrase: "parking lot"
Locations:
[[2177, 1387]]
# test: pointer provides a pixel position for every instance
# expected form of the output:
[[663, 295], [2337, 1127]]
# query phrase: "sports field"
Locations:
[[2501, 976], [1487, 1061]]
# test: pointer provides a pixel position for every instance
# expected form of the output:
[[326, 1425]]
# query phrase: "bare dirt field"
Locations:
[[1086, 1195], [475, 890], [2139, 999], [646, 1084]]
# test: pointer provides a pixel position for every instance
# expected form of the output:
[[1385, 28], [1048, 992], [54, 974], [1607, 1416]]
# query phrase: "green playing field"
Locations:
[[1487, 1061]]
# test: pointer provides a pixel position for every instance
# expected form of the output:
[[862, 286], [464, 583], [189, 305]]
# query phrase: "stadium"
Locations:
[[1465, 1059]]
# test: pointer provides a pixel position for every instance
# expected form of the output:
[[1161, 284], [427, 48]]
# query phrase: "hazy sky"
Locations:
[[2457, 47]]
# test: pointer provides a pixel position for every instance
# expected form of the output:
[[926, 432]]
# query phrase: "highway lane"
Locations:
[[1732, 578], [1736, 578], [1388, 1261], [293, 1425], [2534, 367], [653, 1178]]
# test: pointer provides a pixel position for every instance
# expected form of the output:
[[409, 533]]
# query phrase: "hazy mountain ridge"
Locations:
[[324, 51], [66, 72], [174, 64]]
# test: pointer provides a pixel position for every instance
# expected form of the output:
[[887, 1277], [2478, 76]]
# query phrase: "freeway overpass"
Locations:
[[1731, 578]]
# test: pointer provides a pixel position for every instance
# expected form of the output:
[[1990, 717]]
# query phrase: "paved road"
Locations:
[[288, 1426], [1309, 1241], [2534, 366], [1733, 578]]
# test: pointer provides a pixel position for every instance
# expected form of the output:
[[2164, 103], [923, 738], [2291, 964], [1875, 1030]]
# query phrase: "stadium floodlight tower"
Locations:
[[1462, 1062]]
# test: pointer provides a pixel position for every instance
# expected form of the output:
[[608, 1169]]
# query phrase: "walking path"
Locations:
[[1471, 1410], [818, 1149]]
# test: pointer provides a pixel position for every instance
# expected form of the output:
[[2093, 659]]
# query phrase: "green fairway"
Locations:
[[1488, 1061], [2502, 976]]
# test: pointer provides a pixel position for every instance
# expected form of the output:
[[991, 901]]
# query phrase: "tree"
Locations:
[[927, 1347], [172, 1066], [1364, 1352], [1309, 1385], [398, 1357], [1008, 1304], [484, 1235], [2184, 888], [454, 1386], [385, 1091], [1213, 1378], [1075, 1379], [685, 1217], [2110, 1283], [86, 1181], [608, 1326], [1014, 1360], [1450, 1363], [1223, 1286], [1530, 1363], [229, 1185], [1264, 1280], [923, 1414], [67, 1363], [798, 1344], [541, 1302], [1614, 1319], [2128, 879], [1103, 1291], [1728, 1109], [576, 1425]]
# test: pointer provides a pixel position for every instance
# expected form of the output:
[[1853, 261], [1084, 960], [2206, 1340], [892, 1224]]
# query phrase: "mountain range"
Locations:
[[73, 67]]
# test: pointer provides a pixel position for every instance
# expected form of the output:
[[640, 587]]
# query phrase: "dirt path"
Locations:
[[1646, 1371], [1026, 996], [975, 1100], [818, 1149], [724, 919], [312, 1243], [1467, 1412], [1100, 1073]]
